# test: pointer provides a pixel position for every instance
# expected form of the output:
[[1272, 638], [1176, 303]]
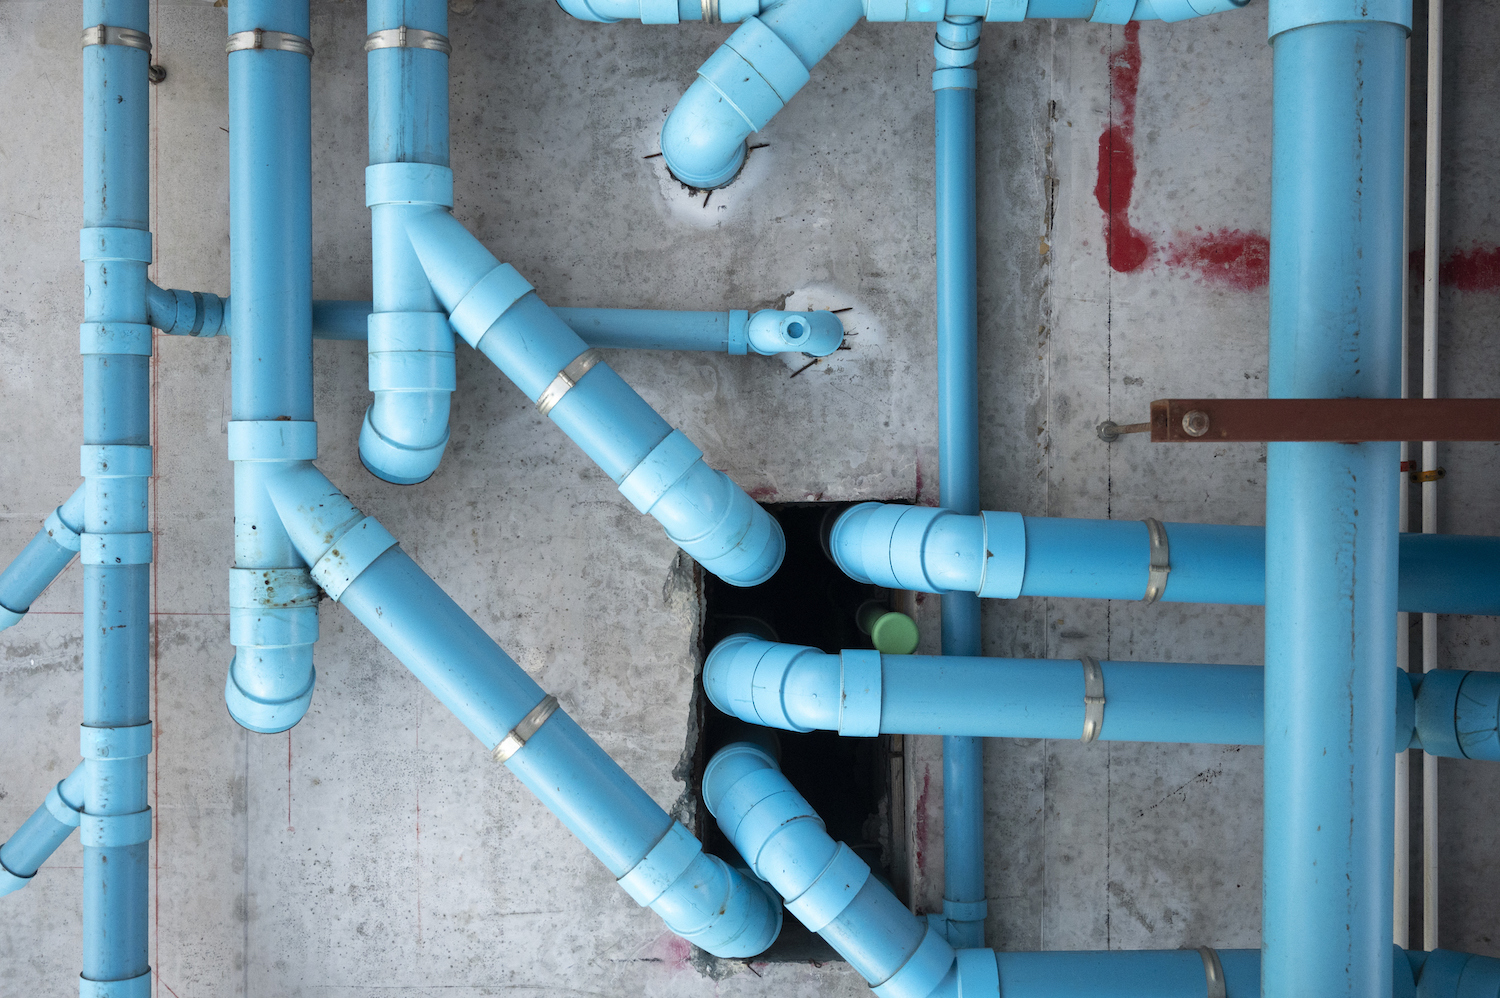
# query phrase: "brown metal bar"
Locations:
[[1325, 420]]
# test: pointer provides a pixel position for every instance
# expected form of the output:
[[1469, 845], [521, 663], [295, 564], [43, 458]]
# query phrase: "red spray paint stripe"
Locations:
[[1474, 269], [1127, 247], [1231, 258]]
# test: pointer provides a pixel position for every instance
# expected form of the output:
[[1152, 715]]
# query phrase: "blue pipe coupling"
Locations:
[[1457, 714], [41, 560]]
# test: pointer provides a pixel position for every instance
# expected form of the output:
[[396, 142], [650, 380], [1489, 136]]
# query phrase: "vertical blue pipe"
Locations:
[[410, 343], [273, 620], [115, 548], [954, 83], [1331, 534]]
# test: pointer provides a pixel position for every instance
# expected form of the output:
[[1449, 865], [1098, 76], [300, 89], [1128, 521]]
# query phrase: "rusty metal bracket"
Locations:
[[1323, 420]]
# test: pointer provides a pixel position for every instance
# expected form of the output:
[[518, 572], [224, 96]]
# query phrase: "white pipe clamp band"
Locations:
[[407, 38], [517, 737], [1213, 970], [1161, 561], [1093, 698], [278, 41], [105, 34], [566, 379]]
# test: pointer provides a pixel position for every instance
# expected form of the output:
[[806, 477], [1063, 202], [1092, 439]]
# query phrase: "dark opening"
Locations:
[[848, 781]]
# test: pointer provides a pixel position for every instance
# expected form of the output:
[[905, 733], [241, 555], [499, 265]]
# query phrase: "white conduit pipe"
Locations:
[[1429, 448], [1401, 896]]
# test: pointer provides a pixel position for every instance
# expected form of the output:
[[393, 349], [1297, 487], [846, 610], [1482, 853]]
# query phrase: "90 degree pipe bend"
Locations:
[[746, 82]]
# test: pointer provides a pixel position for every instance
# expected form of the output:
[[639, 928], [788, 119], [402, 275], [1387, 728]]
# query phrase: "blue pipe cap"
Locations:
[[261, 711], [395, 463], [816, 334]]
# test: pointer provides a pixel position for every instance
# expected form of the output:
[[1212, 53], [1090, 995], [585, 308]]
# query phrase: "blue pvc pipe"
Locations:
[[273, 602], [769, 331], [657, 468], [41, 560], [115, 548], [745, 82], [953, 82], [934, 550], [656, 860], [1337, 268], [410, 342], [829, 889], [38, 838], [1125, 974]]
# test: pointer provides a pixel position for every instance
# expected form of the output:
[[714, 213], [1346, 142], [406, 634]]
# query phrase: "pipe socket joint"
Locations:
[[273, 624], [931, 550], [816, 334], [705, 513], [703, 899], [412, 375], [187, 313], [1457, 714]]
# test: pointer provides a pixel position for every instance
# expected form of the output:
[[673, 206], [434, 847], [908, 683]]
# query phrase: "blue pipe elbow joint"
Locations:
[[705, 513], [738, 91], [273, 624]]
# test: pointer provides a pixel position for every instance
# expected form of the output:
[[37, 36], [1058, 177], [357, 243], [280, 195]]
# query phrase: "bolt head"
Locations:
[[1195, 423]]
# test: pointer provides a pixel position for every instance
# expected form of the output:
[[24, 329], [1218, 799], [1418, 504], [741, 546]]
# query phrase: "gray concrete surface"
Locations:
[[375, 849]]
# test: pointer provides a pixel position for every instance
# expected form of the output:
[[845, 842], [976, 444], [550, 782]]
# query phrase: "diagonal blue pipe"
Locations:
[[41, 560], [657, 861], [955, 49], [1004, 555], [38, 838], [273, 613], [1337, 266], [657, 468], [115, 547]]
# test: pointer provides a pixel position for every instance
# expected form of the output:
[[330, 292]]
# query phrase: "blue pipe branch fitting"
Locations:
[[1337, 268], [38, 838], [186, 313], [412, 374], [657, 468], [827, 887], [657, 861], [273, 616], [115, 547], [41, 560], [1004, 555], [745, 82]]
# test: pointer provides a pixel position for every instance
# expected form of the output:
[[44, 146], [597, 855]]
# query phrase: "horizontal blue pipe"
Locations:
[[816, 333], [38, 838], [41, 560], [732, 11], [935, 550], [1455, 714], [658, 469], [700, 897]]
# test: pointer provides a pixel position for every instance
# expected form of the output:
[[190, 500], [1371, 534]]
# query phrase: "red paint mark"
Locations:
[[919, 478], [166, 985], [761, 492], [289, 780], [1474, 269], [1127, 247], [922, 818], [1230, 257]]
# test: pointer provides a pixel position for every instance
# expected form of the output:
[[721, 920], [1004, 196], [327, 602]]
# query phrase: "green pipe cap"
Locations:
[[894, 633]]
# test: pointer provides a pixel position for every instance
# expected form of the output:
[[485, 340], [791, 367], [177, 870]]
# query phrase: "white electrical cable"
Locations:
[[1429, 448]]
